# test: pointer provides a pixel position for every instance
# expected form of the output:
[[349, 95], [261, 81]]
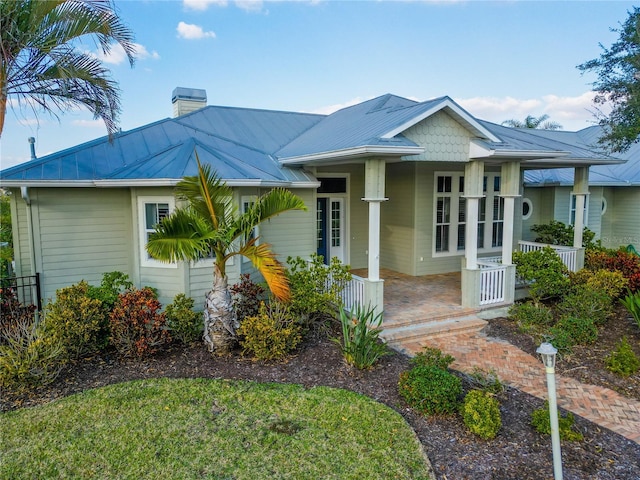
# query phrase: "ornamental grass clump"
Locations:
[[360, 344], [481, 414], [632, 303]]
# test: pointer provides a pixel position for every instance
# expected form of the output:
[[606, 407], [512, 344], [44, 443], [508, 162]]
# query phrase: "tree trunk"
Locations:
[[220, 321]]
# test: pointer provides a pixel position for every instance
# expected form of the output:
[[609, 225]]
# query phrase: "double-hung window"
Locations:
[[572, 210], [151, 211]]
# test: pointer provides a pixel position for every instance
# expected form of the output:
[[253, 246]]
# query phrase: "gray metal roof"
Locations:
[[625, 174]]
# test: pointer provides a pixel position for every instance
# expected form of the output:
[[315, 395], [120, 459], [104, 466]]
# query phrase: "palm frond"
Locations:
[[274, 273], [183, 235]]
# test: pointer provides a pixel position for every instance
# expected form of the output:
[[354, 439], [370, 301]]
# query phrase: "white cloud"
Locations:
[[250, 5], [117, 54], [329, 109], [202, 5], [88, 123], [193, 32], [573, 113]]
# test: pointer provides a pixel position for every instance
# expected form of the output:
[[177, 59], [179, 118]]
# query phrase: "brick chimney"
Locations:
[[186, 100]]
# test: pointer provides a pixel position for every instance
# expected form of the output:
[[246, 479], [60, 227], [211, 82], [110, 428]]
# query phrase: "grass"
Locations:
[[200, 428]]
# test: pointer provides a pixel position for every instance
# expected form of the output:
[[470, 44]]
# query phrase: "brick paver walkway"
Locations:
[[516, 368]]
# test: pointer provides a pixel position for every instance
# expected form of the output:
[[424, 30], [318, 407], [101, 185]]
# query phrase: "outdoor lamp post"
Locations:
[[548, 353]]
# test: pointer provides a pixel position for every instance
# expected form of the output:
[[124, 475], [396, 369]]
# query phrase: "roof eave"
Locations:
[[46, 183], [351, 154]]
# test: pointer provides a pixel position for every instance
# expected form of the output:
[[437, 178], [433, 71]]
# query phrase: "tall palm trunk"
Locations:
[[220, 322]]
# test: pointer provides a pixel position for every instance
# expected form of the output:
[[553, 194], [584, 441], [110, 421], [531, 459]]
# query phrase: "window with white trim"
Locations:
[[246, 202], [151, 211], [572, 209], [527, 208], [450, 214]]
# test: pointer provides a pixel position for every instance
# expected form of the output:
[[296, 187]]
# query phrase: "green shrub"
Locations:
[[137, 327], [360, 343], [541, 421], [586, 303], [432, 357], [481, 414], [430, 390], [316, 288], [610, 283], [558, 233], [183, 323], [570, 331], [632, 303], [625, 262], [247, 296], [271, 334], [623, 361], [77, 321], [487, 381], [29, 356], [545, 272], [530, 317], [112, 285]]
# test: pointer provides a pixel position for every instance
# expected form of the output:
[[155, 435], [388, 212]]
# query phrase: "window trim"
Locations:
[[143, 201], [572, 209], [527, 201], [256, 230]]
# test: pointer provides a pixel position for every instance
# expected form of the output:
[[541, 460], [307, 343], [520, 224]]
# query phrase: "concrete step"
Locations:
[[413, 317], [433, 329]]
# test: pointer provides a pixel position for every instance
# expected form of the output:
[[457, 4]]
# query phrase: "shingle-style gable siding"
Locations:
[[444, 139]]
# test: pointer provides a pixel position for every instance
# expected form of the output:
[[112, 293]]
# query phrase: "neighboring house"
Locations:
[[613, 209], [419, 188]]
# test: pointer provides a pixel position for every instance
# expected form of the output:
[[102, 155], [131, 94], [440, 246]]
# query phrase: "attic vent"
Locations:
[[186, 100]]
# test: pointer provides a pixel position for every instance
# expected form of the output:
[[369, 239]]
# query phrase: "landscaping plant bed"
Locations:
[[518, 452], [587, 362]]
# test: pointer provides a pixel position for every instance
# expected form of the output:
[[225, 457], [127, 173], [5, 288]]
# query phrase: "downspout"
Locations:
[[24, 191]]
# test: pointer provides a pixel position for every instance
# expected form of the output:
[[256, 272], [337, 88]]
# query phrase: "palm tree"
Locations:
[[211, 224], [41, 65], [533, 122]]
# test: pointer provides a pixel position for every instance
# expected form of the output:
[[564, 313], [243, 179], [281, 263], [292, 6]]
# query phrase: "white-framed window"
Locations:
[[604, 206], [527, 208], [246, 202], [450, 214], [572, 209], [151, 211]]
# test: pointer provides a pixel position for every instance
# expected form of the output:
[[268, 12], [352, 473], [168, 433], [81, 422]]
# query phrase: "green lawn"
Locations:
[[197, 428]]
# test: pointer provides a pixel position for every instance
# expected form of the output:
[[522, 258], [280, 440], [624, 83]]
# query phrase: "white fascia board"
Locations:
[[151, 182], [479, 151], [541, 163], [455, 108], [531, 154], [350, 153], [46, 183]]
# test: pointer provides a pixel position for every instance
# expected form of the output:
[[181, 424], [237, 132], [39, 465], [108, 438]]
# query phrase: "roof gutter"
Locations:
[[352, 153]]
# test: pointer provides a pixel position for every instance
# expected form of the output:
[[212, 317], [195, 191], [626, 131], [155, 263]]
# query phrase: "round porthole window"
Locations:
[[527, 208], [604, 206]]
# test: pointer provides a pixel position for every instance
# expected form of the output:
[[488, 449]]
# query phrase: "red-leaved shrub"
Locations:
[[137, 326], [626, 263]]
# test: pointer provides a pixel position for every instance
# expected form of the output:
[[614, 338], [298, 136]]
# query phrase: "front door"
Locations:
[[330, 228]]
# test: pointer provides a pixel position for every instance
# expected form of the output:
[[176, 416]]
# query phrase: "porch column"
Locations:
[[509, 191], [473, 192], [374, 178], [580, 190]]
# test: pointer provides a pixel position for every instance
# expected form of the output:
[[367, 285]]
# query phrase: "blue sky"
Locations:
[[499, 60]]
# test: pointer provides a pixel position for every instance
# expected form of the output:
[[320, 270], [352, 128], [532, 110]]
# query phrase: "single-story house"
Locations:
[[415, 187], [613, 207]]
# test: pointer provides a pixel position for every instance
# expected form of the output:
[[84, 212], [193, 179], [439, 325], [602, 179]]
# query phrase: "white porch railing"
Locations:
[[492, 280], [567, 254], [353, 292]]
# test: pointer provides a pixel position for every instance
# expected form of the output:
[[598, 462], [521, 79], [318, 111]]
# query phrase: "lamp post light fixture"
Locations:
[[548, 353]]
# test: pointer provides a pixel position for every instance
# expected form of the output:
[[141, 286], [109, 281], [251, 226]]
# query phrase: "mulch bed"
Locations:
[[518, 452]]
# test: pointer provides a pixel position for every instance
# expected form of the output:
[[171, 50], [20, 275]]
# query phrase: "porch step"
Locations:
[[395, 336], [412, 318]]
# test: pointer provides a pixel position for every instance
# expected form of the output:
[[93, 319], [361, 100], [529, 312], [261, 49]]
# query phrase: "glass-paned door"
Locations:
[[330, 223]]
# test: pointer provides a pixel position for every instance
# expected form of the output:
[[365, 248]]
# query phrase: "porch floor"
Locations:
[[412, 300]]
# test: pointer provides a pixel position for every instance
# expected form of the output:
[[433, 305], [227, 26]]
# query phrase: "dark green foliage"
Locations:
[[432, 357], [530, 317], [541, 421], [112, 285], [137, 327], [485, 381], [481, 414], [184, 324], [623, 361], [272, 334], [360, 343], [430, 390], [558, 233], [585, 302], [247, 296], [632, 303], [618, 86], [316, 288], [610, 283], [77, 321], [570, 331], [6, 234], [544, 271]]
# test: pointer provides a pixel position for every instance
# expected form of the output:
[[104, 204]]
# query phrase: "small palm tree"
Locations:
[[533, 122], [41, 64], [209, 223]]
